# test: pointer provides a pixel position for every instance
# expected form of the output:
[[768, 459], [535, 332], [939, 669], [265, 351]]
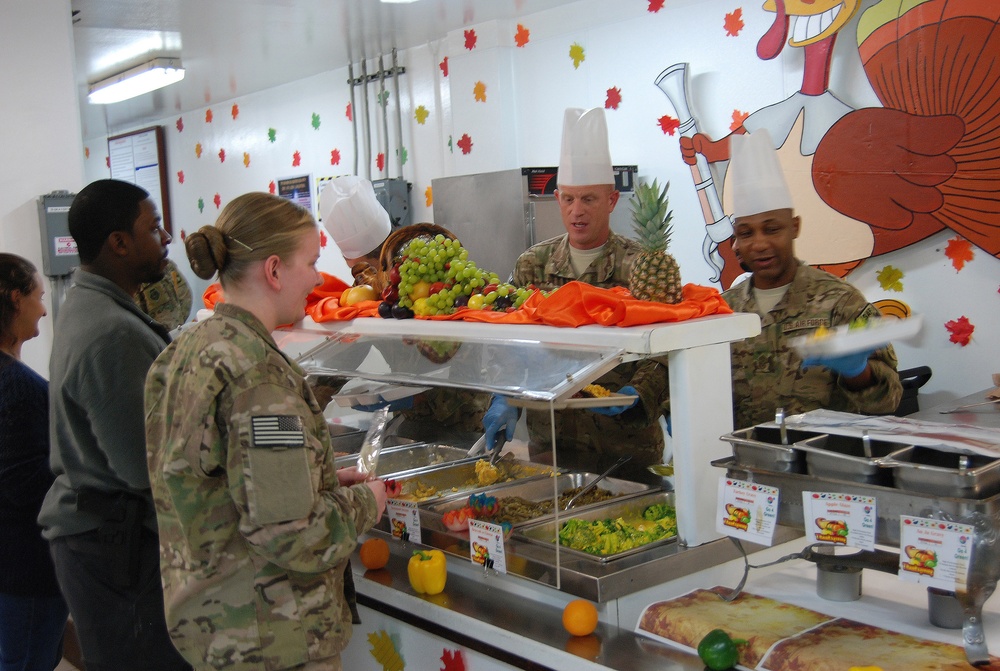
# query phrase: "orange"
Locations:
[[374, 553], [579, 617]]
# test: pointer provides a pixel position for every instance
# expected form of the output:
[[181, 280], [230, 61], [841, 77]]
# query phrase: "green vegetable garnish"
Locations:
[[719, 651]]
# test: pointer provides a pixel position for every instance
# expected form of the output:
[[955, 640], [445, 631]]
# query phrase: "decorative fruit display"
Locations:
[[579, 617], [434, 276], [362, 292], [374, 553], [427, 571], [655, 274]]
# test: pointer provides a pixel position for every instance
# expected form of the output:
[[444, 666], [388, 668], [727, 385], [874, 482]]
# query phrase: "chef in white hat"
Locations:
[[792, 299], [355, 219], [589, 252]]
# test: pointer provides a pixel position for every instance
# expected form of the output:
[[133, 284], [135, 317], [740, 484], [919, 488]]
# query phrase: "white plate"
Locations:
[[575, 403], [371, 393], [845, 340]]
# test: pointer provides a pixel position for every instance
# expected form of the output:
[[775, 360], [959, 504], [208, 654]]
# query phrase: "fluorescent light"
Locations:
[[144, 78]]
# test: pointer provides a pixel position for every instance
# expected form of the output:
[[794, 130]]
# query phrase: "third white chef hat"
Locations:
[[585, 157], [755, 175], [357, 222]]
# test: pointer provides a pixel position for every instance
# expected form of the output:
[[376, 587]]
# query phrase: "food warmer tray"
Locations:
[[539, 490], [891, 501], [843, 457], [762, 447], [410, 457], [458, 480], [545, 532], [940, 473]]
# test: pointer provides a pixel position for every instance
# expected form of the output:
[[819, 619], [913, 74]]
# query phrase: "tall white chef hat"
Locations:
[[357, 222], [756, 178], [585, 158]]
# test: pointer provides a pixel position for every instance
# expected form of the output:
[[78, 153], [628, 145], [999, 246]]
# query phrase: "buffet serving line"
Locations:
[[509, 615]]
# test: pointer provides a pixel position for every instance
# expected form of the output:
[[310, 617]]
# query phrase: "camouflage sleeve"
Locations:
[[528, 269], [651, 380], [292, 510]]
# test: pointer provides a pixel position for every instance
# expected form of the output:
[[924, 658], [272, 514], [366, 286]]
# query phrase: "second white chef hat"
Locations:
[[357, 222], [585, 157], [755, 175]]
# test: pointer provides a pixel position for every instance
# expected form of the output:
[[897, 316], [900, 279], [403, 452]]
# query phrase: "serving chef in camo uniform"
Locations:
[[256, 525], [792, 299], [590, 252]]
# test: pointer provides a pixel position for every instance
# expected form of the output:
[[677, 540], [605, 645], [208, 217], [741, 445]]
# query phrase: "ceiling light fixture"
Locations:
[[144, 78]]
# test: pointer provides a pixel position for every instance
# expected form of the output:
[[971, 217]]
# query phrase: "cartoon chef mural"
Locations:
[[877, 179]]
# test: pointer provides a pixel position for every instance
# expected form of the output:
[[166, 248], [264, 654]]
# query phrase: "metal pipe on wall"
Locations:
[[383, 98], [354, 115], [367, 124], [399, 114]]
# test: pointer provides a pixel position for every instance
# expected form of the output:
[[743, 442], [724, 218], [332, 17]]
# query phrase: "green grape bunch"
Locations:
[[436, 277]]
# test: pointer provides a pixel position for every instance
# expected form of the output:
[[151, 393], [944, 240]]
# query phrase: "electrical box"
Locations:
[[59, 253], [394, 195]]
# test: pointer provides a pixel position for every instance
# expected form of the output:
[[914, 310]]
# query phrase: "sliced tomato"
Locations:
[[458, 520]]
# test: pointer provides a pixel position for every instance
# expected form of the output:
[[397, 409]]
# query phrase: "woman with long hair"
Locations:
[[256, 525]]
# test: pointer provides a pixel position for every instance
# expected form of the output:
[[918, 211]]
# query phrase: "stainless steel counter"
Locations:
[[986, 416]]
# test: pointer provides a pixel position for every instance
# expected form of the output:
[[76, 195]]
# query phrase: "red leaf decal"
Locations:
[[522, 35], [444, 66], [380, 161], [208, 115], [734, 22], [180, 124], [465, 143], [655, 6], [613, 99], [180, 176], [470, 39], [335, 157], [348, 111], [322, 238], [959, 251], [86, 152], [235, 110], [184, 235], [222, 156], [453, 660], [107, 161], [738, 119], [296, 159], [961, 330], [217, 200], [271, 188], [668, 124]]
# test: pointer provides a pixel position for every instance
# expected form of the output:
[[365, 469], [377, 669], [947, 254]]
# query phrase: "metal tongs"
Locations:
[[779, 419], [593, 483]]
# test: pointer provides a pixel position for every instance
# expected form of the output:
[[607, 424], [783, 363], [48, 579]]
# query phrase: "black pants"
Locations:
[[120, 629]]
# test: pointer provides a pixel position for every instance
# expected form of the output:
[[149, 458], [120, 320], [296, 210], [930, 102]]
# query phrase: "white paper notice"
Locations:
[[840, 519], [486, 545], [404, 520], [747, 510], [934, 552]]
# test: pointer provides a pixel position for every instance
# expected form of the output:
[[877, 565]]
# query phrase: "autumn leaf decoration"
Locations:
[[334, 157], [272, 135], [522, 35], [315, 121], [180, 124], [235, 111], [296, 159], [421, 114], [961, 330], [733, 22], [428, 196], [576, 54], [959, 251], [470, 39], [384, 651], [655, 6], [452, 660], [479, 92], [613, 98], [889, 278], [465, 143], [668, 124], [738, 119], [208, 115]]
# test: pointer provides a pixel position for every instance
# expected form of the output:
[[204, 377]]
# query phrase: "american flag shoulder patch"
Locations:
[[277, 431]]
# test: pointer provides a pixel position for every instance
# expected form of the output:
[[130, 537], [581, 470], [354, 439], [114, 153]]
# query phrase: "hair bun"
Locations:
[[207, 252]]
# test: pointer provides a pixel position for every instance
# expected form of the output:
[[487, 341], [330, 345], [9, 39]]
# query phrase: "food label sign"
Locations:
[[486, 545], [747, 510], [404, 520], [840, 519], [934, 552]]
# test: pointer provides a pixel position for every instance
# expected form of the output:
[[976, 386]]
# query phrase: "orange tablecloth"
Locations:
[[575, 304]]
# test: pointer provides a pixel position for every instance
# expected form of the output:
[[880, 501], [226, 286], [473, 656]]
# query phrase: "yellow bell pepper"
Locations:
[[428, 571]]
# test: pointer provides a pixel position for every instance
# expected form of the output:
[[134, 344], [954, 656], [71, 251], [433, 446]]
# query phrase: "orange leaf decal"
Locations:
[[613, 98], [235, 111], [479, 92], [334, 157], [734, 22], [576, 53], [738, 119], [959, 251], [655, 6], [197, 149], [428, 196], [246, 159], [465, 143], [961, 330], [470, 39], [444, 66], [668, 124], [522, 35], [86, 152], [296, 159], [208, 115]]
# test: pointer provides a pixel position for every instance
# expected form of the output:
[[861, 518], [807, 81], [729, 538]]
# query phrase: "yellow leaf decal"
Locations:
[[197, 149], [576, 53], [421, 114], [384, 651], [479, 91], [429, 196], [889, 278]]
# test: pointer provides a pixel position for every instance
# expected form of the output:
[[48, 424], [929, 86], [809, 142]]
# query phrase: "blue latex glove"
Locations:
[[394, 406], [847, 365], [611, 411], [501, 415]]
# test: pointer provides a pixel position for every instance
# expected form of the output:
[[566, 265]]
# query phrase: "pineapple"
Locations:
[[655, 275]]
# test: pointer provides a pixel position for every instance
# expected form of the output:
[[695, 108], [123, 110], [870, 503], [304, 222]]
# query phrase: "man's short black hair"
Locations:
[[101, 208]]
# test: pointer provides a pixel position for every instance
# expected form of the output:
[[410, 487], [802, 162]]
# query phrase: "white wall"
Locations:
[[39, 133], [528, 87]]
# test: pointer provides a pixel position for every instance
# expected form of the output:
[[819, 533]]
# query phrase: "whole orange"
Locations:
[[579, 617], [374, 553]]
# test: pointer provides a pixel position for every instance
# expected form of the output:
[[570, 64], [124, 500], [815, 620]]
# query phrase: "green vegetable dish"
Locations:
[[612, 536]]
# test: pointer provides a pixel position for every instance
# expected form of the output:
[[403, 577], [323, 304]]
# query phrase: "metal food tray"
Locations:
[[349, 439], [459, 480], [545, 532], [843, 457], [924, 469], [761, 447], [539, 490], [411, 456], [891, 501]]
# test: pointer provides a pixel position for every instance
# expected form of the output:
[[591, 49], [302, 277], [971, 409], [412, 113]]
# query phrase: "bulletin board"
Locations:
[[139, 157]]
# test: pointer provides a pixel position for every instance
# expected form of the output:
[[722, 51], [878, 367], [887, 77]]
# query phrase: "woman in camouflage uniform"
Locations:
[[256, 526]]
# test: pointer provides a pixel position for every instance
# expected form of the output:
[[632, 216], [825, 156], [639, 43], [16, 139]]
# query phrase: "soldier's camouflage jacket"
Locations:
[[255, 531], [768, 373], [585, 439]]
